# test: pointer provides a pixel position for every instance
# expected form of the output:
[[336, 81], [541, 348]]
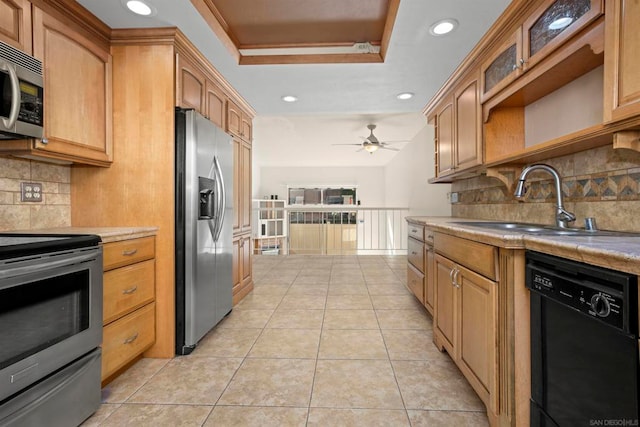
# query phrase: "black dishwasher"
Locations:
[[584, 344]]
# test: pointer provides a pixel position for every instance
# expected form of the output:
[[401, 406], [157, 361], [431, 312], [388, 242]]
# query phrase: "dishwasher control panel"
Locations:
[[594, 291]]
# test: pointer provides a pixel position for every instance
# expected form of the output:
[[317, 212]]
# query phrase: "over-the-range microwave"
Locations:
[[21, 87]]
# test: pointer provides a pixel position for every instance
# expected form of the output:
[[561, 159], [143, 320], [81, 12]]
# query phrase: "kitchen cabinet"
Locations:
[[138, 188], [216, 104], [15, 24], [466, 311], [241, 186], [77, 87], [458, 129], [239, 122], [128, 302], [420, 266], [444, 137], [194, 89], [544, 29], [622, 62], [242, 267], [77, 68], [190, 85]]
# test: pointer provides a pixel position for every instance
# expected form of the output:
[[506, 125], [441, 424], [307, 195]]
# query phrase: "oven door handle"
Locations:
[[46, 265]]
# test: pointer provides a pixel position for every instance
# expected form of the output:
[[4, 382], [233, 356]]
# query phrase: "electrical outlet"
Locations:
[[30, 192], [453, 197]]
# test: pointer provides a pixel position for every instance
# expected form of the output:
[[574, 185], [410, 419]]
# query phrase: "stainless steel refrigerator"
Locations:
[[204, 216]]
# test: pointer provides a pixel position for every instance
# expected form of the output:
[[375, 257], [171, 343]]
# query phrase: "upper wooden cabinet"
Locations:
[[622, 62], [458, 126], [544, 30], [15, 24], [216, 103], [239, 122], [190, 85], [194, 89], [77, 88]]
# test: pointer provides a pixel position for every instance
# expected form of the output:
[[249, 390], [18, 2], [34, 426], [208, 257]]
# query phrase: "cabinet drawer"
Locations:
[[415, 253], [126, 338], [119, 254], [476, 256], [128, 288], [416, 231], [415, 282], [428, 236]]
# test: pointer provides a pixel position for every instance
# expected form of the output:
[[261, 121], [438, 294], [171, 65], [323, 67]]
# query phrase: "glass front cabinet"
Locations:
[[552, 24]]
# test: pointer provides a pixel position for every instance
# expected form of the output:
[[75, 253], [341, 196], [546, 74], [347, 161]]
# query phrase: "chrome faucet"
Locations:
[[563, 217]]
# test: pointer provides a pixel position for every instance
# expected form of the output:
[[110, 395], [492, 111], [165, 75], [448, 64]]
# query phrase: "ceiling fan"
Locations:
[[372, 144]]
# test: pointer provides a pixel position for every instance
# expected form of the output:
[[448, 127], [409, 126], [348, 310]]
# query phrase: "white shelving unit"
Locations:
[[271, 233]]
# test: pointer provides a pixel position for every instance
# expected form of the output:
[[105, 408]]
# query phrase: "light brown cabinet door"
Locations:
[[246, 270], [444, 139], [478, 330], [190, 86], [77, 91], [247, 128], [216, 104], [446, 304], [234, 119], [429, 285], [622, 62], [502, 67], [543, 32], [15, 24], [468, 122], [237, 184], [245, 193], [236, 264]]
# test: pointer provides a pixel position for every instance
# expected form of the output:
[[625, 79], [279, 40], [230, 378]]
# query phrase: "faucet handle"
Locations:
[[565, 216], [590, 224]]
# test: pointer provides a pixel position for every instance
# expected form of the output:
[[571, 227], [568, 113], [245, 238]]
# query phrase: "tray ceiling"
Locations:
[[294, 31]]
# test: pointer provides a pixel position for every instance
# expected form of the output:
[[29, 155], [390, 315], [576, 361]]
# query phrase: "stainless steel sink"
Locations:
[[537, 229]]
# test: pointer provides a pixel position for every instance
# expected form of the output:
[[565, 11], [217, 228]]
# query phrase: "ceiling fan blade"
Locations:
[[347, 144], [394, 142], [388, 148]]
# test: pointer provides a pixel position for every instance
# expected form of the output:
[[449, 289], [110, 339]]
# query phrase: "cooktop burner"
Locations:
[[13, 245]]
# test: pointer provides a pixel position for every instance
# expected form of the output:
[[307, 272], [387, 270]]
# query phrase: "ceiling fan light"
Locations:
[[371, 148]]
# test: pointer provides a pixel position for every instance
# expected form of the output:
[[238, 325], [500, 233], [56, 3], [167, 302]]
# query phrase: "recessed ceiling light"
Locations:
[[442, 27], [560, 23], [289, 98], [140, 7], [405, 95]]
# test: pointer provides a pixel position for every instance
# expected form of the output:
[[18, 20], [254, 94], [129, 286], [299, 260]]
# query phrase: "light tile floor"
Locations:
[[321, 341]]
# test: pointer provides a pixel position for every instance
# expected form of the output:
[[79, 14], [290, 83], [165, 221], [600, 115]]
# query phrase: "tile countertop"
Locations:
[[107, 234], [620, 253]]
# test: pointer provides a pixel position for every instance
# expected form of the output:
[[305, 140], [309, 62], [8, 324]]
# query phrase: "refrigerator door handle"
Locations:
[[222, 199]]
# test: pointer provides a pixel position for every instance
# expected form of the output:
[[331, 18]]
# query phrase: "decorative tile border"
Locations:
[[608, 186]]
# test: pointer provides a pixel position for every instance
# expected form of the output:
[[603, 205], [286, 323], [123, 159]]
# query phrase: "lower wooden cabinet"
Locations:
[[128, 302], [420, 266], [466, 320], [242, 267]]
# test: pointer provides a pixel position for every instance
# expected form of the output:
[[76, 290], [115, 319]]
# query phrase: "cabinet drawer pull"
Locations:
[[413, 230], [130, 290], [131, 339], [455, 278], [130, 252], [451, 276], [414, 253]]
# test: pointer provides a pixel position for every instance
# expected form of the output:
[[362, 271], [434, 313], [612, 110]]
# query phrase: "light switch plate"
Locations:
[[31, 192]]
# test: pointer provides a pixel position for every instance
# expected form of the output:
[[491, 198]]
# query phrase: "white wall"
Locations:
[[370, 181], [407, 175]]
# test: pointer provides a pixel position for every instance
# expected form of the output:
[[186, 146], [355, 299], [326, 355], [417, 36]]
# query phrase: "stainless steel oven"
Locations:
[[50, 329]]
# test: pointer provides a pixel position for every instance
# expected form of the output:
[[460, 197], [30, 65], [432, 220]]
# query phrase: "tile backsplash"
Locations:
[[55, 208], [603, 183]]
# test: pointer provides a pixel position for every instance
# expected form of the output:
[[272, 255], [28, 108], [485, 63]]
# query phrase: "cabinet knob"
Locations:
[[45, 141]]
